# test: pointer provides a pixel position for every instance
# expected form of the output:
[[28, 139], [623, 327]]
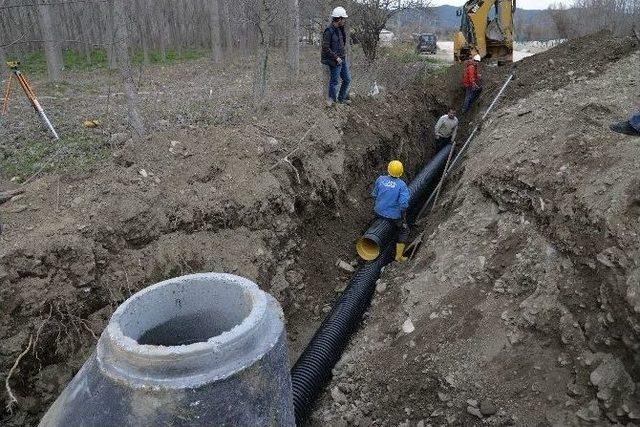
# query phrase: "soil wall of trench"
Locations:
[[178, 203]]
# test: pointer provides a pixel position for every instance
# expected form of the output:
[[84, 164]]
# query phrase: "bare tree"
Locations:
[[262, 62], [3, 58], [293, 39], [226, 27], [214, 23], [52, 49], [124, 64], [369, 17]]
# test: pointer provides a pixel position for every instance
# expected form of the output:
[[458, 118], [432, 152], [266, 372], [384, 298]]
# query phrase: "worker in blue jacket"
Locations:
[[391, 196]]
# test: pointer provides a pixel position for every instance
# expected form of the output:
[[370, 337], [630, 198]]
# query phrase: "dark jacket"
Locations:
[[333, 41]]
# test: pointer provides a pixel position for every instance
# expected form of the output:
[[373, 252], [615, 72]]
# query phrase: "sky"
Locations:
[[522, 4]]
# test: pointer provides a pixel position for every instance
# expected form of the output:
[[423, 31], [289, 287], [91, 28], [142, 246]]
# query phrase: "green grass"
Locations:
[[75, 153], [405, 53], [36, 63]]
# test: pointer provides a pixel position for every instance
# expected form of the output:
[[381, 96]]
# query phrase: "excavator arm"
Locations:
[[486, 28]]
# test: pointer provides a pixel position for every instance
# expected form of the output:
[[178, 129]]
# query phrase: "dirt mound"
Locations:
[[524, 298], [573, 61]]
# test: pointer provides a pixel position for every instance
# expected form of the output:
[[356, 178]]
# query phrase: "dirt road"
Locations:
[[445, 52]]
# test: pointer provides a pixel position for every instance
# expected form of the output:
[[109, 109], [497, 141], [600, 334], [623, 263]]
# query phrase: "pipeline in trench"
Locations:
[[312, 371]]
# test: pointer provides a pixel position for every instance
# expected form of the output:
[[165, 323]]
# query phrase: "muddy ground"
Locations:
[[210, 189]]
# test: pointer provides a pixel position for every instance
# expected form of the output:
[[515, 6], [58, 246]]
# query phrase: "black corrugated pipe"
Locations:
[[313, 369], [382, 232]]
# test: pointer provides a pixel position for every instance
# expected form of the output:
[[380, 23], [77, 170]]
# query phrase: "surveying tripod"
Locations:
[[14, 66]]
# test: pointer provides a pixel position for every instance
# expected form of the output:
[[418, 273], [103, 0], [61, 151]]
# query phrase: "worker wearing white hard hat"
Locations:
[[471, 82], [333, 56]]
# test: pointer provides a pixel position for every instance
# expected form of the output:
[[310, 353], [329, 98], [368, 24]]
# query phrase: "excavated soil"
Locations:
[[522, 306]]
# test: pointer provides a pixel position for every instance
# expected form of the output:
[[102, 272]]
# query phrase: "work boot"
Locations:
[[624, 128], [400, 252], [330, 103], [345, 101]]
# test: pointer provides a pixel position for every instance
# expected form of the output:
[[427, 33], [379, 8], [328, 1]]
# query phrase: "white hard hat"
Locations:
[[339, 12], [476, 57]]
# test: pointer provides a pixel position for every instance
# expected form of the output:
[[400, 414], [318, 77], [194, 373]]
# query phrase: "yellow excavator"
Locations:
[[486, 28]]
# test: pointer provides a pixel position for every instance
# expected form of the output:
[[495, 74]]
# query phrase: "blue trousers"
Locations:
[[634, 121], [339, 72], [470, 96]]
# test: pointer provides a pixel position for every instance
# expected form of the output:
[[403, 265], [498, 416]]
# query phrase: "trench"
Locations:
[[313, 369], [325, 230]]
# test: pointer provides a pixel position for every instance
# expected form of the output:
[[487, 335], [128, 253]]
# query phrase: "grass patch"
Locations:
[[36, 63], [405, 53], [77, 153]]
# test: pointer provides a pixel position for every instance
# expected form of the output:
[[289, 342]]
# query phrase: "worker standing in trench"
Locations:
[[391, 200], [471, 82], [446, 129]]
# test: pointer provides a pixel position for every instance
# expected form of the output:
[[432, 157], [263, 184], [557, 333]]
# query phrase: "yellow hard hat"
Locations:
[[395, 168]]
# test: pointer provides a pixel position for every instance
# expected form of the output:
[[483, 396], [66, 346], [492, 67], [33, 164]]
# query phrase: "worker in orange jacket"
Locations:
[[471, 82]]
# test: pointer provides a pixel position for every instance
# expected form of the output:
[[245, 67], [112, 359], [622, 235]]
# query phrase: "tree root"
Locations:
[[11, 397]]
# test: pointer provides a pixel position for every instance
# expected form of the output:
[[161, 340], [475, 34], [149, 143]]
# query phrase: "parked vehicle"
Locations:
[[427, 43]]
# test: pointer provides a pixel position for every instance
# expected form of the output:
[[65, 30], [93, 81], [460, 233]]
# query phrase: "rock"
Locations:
[[143, 173], [574, 390], [487, 408], [17, 209], [345, 266], [450, 380], [272, 141], [443, 396], [381, 287], [338, 396], [472, 402], [119, 138], [613, 382], [420, 423], [407, 326], [474, 411], [591, 412]]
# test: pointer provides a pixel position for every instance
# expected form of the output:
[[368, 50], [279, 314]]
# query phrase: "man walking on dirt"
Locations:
[[446, 129], [391, 199], [471, 82], [333, 55]]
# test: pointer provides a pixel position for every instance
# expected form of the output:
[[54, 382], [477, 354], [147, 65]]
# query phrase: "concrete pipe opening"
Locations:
[[171, 315], [203, 349], [367, 248]]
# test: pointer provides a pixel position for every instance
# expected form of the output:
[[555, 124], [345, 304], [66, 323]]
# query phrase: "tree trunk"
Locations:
[[52, 49], [124, 64], [109, 39], [226, 28], [262, 72], [293, 40], [3, 60], [214, 23]]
